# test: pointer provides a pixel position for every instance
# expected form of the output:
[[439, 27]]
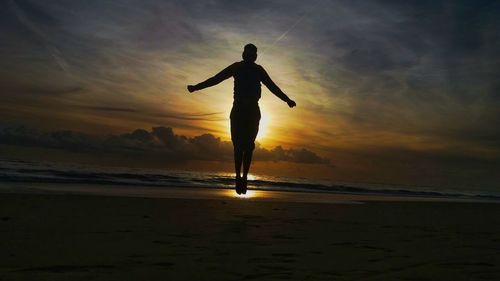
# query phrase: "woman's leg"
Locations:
[[238, 151], [238, 159], [252, 131], [247, 160]]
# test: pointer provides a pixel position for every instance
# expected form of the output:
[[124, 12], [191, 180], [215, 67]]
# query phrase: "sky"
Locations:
[[403, 92]]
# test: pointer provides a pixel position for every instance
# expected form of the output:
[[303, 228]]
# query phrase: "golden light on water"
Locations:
[[248, 195], [251, 177]]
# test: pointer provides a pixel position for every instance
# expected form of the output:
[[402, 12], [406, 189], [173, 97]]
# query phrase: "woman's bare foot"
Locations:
[[244, 185], [238, 185]]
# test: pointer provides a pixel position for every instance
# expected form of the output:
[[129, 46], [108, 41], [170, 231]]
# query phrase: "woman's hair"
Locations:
[[249, 52]]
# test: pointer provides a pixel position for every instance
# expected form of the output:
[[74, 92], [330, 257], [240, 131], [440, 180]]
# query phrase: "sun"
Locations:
[[263, 125]]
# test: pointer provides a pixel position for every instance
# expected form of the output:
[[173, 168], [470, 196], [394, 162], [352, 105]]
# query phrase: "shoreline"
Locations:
[[200, 192]]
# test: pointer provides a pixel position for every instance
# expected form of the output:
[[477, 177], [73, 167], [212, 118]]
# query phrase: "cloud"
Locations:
[[64, 139], [290, 155], [41, 90], [160, 142], [106, 108], [213, 116]]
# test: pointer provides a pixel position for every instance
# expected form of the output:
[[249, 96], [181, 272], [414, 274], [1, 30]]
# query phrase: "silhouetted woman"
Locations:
[[245, 114]]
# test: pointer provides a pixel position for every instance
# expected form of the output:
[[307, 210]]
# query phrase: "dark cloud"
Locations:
[[34, 11], [40, 90], [106, 108], [418, 68], [291, 155], [160, 142], [64, 139], [213, 116]]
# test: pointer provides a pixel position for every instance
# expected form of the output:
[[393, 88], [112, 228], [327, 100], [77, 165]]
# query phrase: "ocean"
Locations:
[[22, 171]]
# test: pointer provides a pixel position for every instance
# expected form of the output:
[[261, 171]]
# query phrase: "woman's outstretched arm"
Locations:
[[275, 89], [219, 77]]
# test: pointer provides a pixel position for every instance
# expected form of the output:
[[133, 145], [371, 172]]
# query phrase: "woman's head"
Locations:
[[249, 53]]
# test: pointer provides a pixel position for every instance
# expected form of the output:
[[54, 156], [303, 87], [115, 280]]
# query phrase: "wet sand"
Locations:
[[56, 236]]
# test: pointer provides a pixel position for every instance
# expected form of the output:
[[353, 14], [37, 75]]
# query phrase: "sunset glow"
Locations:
[[263, 126], [383, 94]]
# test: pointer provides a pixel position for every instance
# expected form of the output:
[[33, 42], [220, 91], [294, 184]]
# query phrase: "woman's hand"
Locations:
[[291, 103]]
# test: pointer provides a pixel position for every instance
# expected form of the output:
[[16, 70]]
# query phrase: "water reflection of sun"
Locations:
[[249, 194]]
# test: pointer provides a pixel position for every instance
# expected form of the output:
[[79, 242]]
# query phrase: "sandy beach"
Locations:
[[60, 236]]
